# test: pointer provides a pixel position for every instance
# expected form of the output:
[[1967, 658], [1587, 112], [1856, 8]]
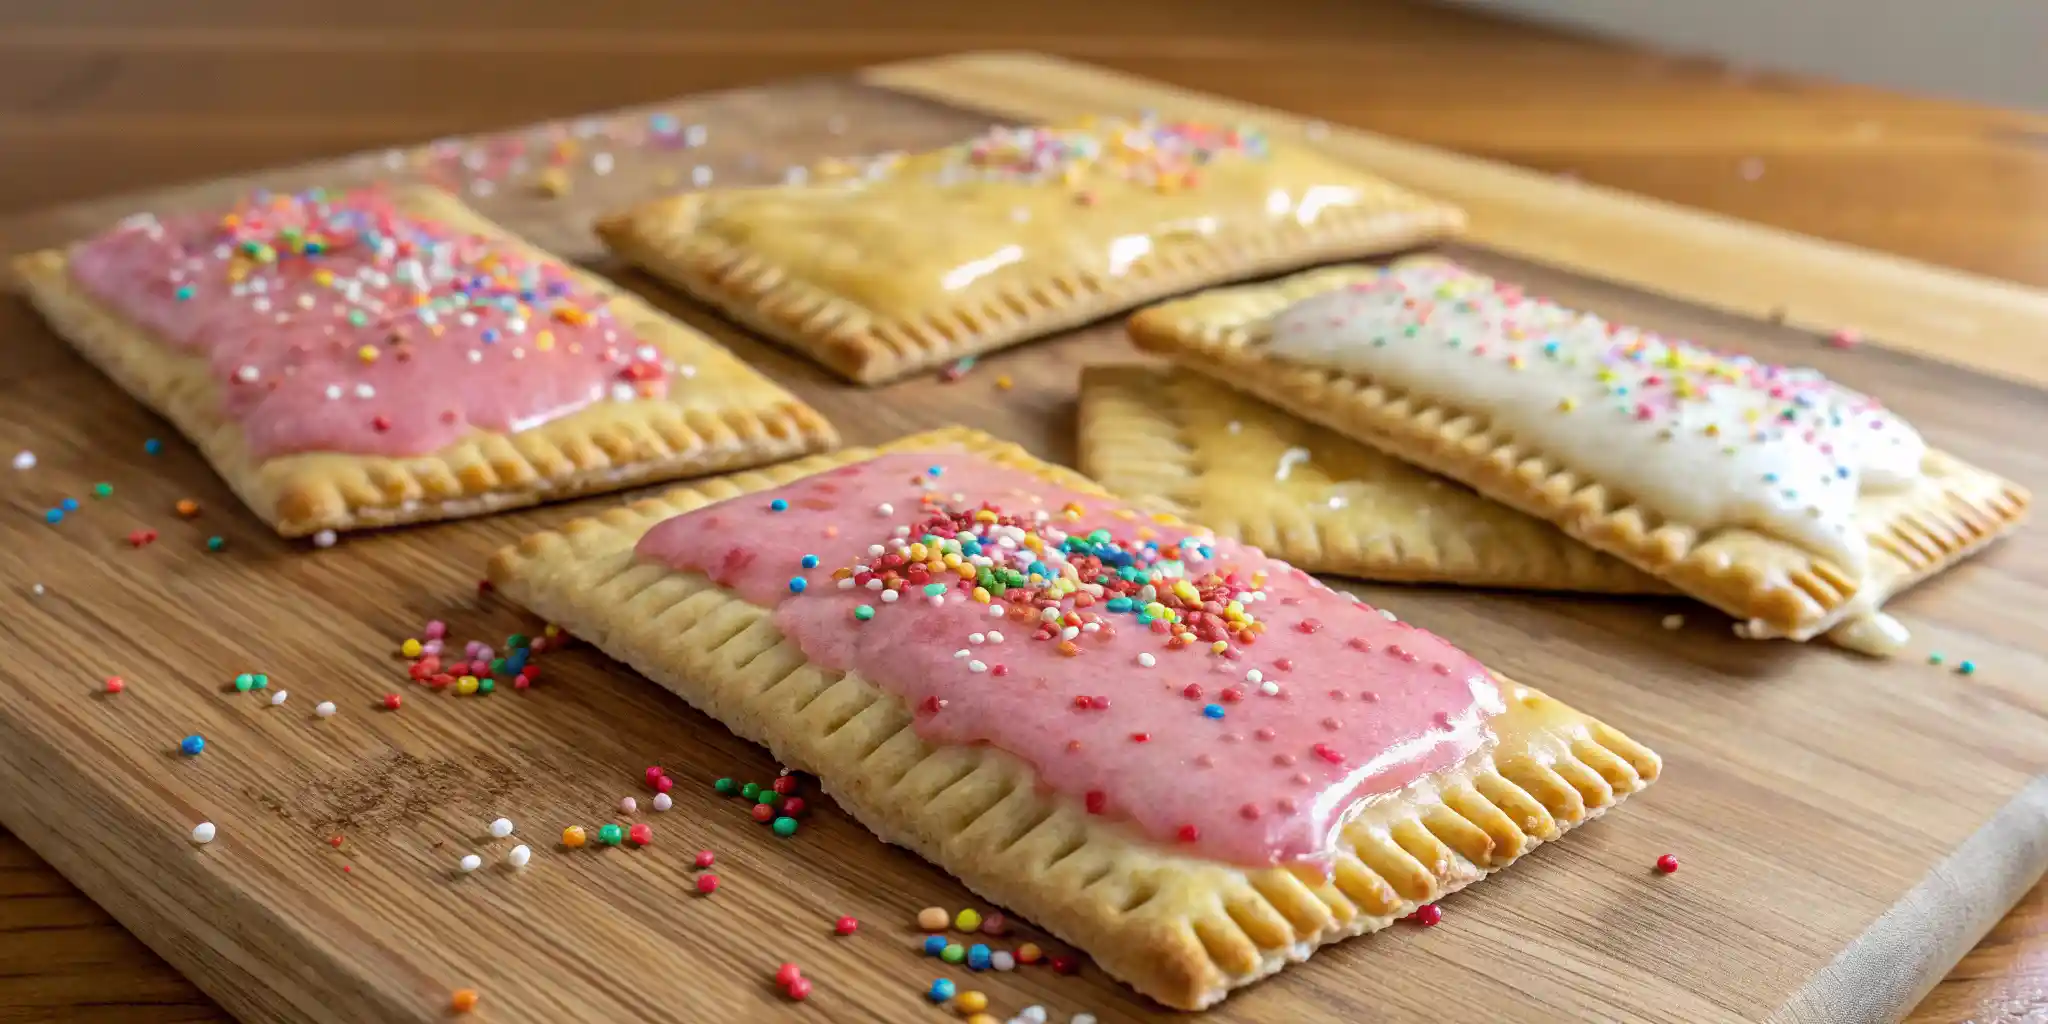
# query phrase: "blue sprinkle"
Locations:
[[935, 470], [797, 584], [810, 561], [970, 546], [68, 504], [490, 335], [1770, 478], [778, 505], [1213, 710], [977, 957], [185, 293], [942, 990], [152, 446], [1119, 604], [1842, 472], [1968, 668], [934, 945], [54, 516], [192, 745]]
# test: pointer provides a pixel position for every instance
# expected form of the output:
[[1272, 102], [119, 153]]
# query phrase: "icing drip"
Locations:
[[1710, 439], [1216, 700]]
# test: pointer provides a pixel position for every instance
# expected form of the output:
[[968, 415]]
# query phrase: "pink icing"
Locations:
[[343, 324], [1364, 705]]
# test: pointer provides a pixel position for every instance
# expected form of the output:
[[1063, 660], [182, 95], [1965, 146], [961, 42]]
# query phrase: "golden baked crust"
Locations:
[[1182, 443], [1181, 930], [725, 417], [1774, 587], [863, 274]]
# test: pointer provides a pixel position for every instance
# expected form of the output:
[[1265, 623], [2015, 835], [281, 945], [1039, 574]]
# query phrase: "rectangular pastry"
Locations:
[[1013, 235], [1179, 442], [370, 358], [1790, 502], [1188, 759]]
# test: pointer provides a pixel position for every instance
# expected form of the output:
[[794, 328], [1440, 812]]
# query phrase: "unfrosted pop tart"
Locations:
[[1012, 235], [369, 358], [1177, 441], [1187, 758], [1790, 502]]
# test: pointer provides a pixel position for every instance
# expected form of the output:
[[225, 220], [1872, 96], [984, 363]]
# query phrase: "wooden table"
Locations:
[[104, 95]]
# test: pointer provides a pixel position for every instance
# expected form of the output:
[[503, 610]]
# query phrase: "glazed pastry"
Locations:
[[1188, 759], [1179, 442], [916, 260], [368, 358], [1790, 502]]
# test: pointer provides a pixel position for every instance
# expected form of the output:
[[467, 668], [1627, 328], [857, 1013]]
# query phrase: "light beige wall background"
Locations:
[[1994, 51]]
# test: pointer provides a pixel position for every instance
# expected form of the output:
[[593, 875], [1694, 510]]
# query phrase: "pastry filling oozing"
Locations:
[[1710, 439], [1213, 698], [339, 322]]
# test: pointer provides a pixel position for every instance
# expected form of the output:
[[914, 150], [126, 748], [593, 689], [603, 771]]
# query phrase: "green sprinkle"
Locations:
[[864, 612], [215, 543], [952, 954], [260, 681], [497, 665], [1935, 658], [934, 590], [517, 640], [486, 685], [1967, 667], [751, 790], [784, 827], [725, 786], [767, 795], [357, 317], [244, 682], [102, 490], [611, 835]]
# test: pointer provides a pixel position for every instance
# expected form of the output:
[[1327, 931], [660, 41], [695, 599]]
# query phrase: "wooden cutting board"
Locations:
[[1848, 828]]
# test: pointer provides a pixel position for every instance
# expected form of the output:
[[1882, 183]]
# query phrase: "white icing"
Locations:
[[1706, 438], [1875, 634]]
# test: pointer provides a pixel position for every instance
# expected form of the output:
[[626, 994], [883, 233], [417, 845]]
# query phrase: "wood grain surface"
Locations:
[[171, 93]]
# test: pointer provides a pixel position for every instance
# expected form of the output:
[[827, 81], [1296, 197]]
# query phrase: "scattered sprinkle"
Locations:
[[573, 837], [203, 833], [1668, 863], [393, 702], [278, 698], [215, 543], [463, 1001], [707, 884], [640, 834], [628, 805], [611, 835], [953, 953], [470, 862], [1427, 915], [186, 508], [705, 858], [967, 920], [970, 1001], [1966, 667], [662, 801], [325, 709], [1846, 337], [941, 990], [501, 827], [102, 490], [193, 745], [25, 460], [1935, 658], [115, 684], [518, 856], [152, 446], [933, 919], [845, 925], [324, 539]]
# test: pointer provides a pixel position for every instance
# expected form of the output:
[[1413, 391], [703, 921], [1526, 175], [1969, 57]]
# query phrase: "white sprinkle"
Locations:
[[1049, 615], [885, 509], [203, 833], [501, 828], [901, 531], [470, 862], [333, 392], [1084, 1018], [1147, 660], [995, 637], [247, 374], [874, 584], [977, 666], [518, 856], [1002, 960], [694, 135], [977, 638], [278, 697], [1270, 688], [1673, 621], [1070, 632], [700, 176], [961, 653], [1234, 427], [601, 163], [325, 709], [874, 550], [846, 584], [1090, 627], [37, 590], [365, 391], [662, 801], [476, 355], [1289, 459], [629, 805], [995, 611], [1254, 676], [1388, 615], [25, 459], [324, 539], [1032, 1015], [889, 596]]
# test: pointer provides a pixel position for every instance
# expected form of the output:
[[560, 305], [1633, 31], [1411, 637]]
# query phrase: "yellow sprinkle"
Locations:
[[967, 920], [545, 341], [916, 552], [1219, 647], [410, 648], [465, 685], [951, 561], [1186, 591], [551, 631], [1567, 404], [1124, 513], [1156, 610], [970, 1001], [981, 595], [1713, 430], [572, 837], [966, 571], [987, 515], [1003, 383], [982, 1018], [323, 278], [1032, 543], [1234, 609]]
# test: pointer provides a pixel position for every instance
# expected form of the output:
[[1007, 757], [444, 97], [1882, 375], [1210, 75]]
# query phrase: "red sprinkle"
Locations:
[[705, 858], [792, 807], [1096, 800], [1141, 737], [1066, 964], [788, 975], [707, 884], [392, 701], [1193, 691], [1189, 833], [661, 785], [334, 841], [641, 834], [1847, 337], [1667, 863], [785, 785], [846, 925], [115, 684], [1427, 915], [763, 813], [655, 774], [799, 990]]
